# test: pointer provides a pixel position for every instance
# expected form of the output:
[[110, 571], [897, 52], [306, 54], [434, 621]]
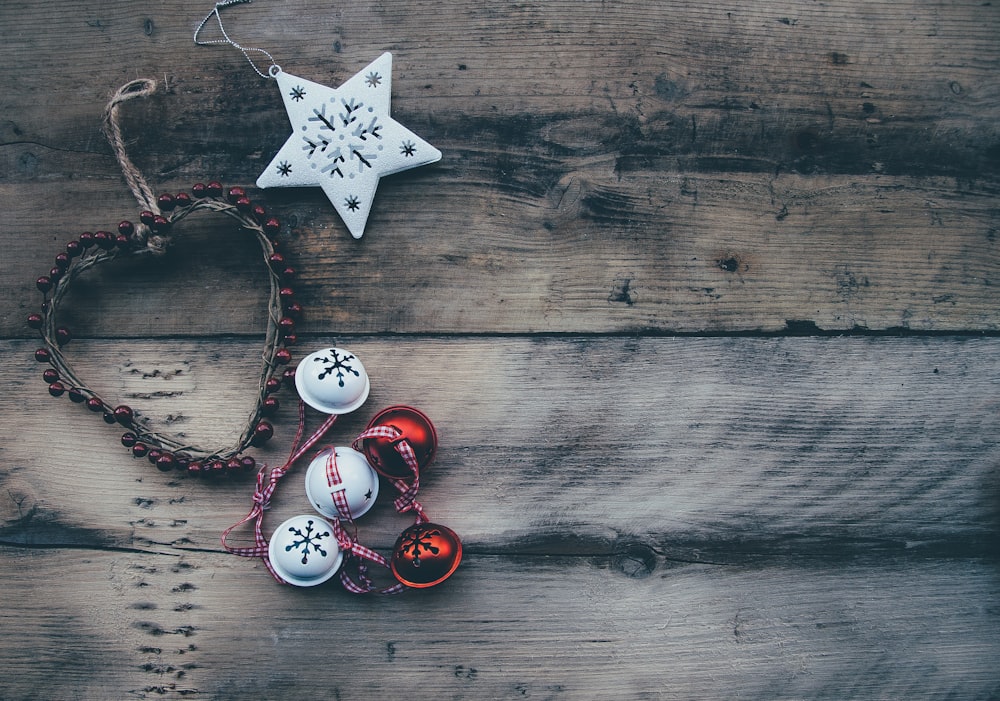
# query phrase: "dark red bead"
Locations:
[[290, 339], [76, 396], [273, 384], [262, 433], [165, 202], [286, 325], [248, 463], [108, 417], [283, 357], [195, 467], [288, 273], [259, 212], [42, 355], [35, 320], [270, 406], [95, 404], [126, 228], [181, 462], [51, 375], [233, 464], [166, 462], [214, 189], [74, 248], [182, 199], [286, 294], [217, 467], [153, 455], [198, 190], [55, 273], [122, 241], [160, 224], [129, 439], [104, 240], [294, 309], [139, 450], [243, 204], [146, 217], [276, 260], [86, 239], [272, 226], [124, 415], [63, 336], [235, 193], [56, 389], [44, 284], [62, 261], [288, 378]]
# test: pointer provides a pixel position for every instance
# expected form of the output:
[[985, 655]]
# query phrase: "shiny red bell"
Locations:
[[425, 554], [413, 427]]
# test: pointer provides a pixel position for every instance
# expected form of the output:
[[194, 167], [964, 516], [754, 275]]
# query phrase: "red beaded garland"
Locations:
[[90, 248]]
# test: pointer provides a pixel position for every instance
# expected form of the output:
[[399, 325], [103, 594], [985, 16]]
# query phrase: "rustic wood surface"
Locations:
[[702, 299]]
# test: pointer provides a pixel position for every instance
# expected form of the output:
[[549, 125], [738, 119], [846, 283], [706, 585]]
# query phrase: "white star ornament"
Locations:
[[343, 140]]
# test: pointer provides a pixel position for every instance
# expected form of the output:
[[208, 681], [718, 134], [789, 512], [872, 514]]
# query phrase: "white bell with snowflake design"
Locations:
[[304, 551], [332, 380], [341, 476]]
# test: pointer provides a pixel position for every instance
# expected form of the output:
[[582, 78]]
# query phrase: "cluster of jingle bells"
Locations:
[[342, 484]]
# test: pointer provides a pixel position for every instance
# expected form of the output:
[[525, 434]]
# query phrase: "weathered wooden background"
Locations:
[[702, 298]]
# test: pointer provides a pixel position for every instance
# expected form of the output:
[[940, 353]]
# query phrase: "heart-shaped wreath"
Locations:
[[150, 236]]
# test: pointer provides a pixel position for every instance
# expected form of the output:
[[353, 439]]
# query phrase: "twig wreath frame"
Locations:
[[151, 236]]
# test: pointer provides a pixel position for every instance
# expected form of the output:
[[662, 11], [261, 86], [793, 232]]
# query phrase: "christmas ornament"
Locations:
[[151, 236], [340, 480], [304, 551], [407, 430], [426, 554], [332, 381], [343, 139]]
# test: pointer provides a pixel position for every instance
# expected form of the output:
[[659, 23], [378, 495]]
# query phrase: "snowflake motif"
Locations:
[[355, 138], [420, 539], [338, 364], [307, 539], [297, 93], [408, 148], [352, 203], [368, 495], [285, 169], [373, 80]]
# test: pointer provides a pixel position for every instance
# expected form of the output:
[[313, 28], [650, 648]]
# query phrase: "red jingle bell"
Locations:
[[413, 427], [425, 554]]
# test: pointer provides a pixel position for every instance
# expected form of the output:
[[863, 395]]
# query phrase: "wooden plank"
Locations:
[[718, 450], [599, 295], [669, 168], [115, 624]]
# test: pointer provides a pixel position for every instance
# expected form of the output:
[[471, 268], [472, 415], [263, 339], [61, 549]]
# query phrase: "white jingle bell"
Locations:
[[304, 551], [344, 474], [332, 380]]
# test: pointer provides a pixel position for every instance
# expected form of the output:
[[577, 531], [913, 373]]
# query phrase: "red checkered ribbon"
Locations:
[[355, 553], [267, 482], [407, 499]]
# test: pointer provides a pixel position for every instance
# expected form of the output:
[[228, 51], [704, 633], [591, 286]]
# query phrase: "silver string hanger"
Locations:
[[273, 70]]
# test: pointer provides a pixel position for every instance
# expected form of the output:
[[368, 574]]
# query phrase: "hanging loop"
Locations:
[[272, 71]]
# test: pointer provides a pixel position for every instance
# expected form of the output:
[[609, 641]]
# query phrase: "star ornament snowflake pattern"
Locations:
[[343, 140]]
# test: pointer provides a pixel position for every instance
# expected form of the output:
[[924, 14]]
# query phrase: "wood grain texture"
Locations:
[[663, 168], [701, 299], [769, 517]]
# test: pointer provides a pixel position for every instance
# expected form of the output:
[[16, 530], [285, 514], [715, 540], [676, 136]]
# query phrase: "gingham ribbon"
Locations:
[[407, 499], [355, 553], [267, 483]]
